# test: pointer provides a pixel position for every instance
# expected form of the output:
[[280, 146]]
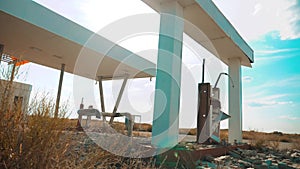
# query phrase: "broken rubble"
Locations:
[[258, 159]]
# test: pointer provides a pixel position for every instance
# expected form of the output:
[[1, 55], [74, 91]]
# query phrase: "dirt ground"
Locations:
[[85, 153], [275, 139]]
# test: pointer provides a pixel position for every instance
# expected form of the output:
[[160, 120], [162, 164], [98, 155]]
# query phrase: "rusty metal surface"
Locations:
[[190, 158], [203, 107]]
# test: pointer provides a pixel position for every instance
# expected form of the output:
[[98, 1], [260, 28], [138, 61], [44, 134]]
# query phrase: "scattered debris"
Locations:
[[257, 159]]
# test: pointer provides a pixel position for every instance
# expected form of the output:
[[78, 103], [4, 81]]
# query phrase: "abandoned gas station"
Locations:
[[34, 33]]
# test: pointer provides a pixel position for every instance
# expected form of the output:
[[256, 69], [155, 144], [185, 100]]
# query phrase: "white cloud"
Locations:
[[262, 101], [257, 8], [288, 117], [247, 79], [262, 98], [293, 81], [274, 51], [252, 18], [267, 103], [272, 58], [95, 14], [255, 18], [274, 54]]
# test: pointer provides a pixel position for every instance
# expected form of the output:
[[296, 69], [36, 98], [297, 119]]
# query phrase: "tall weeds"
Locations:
[[29, 139]]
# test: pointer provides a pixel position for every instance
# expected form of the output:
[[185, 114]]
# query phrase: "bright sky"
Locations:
[[271, 88], [271, 97]]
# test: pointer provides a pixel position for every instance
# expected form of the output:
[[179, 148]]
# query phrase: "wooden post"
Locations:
[[203, 109], [1, 52], [79, 120], [59, 90], [101, 96], [12, 76]]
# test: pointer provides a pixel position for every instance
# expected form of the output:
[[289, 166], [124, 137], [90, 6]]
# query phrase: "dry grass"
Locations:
[[274, 145], [92, 156], [259, 139], [30, 140], [274, 136], [36, 139], [224, 135], [296, 144], [271, 140]]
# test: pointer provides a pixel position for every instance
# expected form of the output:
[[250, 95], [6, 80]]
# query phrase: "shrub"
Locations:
[[257, 139], [224, 135], [274, 144], [258, 142], [31, 140], [278, 133], [296, 144]]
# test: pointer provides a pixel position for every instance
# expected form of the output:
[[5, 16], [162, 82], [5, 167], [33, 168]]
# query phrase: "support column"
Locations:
[[235, 101], [101, 97], [118, 99], [1, 52], [101, 94], [165, 128], [59, 90], [13, 71]]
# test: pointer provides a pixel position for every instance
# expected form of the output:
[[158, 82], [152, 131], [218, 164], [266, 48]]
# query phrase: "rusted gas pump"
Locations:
[[209, 111]]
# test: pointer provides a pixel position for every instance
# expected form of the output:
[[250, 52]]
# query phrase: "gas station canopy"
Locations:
[[218, 35], [32, 32]]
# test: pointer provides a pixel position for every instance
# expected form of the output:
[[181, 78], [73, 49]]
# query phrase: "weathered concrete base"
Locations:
[[180, 155]]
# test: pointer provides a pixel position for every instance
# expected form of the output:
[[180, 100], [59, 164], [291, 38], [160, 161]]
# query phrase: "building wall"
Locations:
[[19, 93]]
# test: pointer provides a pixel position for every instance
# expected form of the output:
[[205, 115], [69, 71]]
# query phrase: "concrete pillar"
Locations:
[[165, 126], [59, 90], [88, 121], [235, 101]]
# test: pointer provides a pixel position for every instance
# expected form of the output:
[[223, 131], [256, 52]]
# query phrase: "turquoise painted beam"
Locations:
[[205, 16], [210, 8]]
